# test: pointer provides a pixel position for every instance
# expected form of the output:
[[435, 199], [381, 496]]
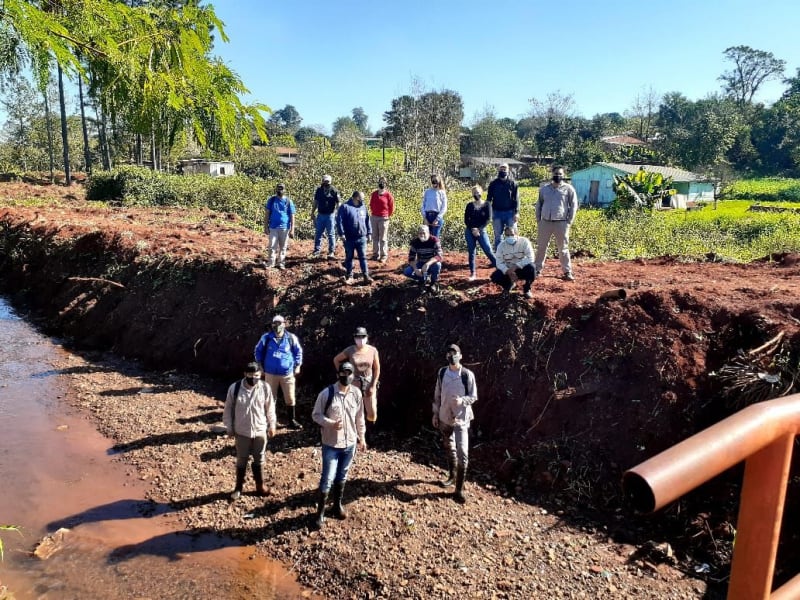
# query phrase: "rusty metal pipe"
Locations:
[[680, 469]]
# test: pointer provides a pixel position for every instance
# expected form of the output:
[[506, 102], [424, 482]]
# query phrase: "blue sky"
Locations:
[[326, 57]]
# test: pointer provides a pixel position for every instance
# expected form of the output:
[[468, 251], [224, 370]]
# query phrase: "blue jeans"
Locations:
[[358, 245], [324, 223], [501, 218], [433, 271], [335, 461], [472, 244], [436, 229]]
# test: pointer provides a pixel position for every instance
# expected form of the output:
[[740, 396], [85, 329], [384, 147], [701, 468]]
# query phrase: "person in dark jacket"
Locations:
[[326, 201], [503, 196], [353, 226], [477, 215]]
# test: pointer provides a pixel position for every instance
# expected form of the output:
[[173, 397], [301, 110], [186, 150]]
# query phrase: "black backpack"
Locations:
[[464, 378]]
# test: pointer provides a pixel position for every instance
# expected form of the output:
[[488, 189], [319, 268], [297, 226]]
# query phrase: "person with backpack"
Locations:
[[280, 354], [364, 357], [339, 411], [453, 398], [503, 197], [249, 416]]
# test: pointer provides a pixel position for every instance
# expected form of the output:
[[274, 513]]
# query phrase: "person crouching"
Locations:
[[339, 411], [514, 256]]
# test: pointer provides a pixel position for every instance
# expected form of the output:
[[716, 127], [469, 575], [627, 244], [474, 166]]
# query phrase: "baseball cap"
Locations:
[[454, 348], [327, 178], [346, 366], [277, 319], [360, 332]]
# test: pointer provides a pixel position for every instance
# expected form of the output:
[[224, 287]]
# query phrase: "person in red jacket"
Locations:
[[381, 209]]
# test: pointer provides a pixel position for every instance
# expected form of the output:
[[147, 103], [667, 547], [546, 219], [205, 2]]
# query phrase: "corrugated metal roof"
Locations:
[[492, 160], [676, 174], [623, 140]]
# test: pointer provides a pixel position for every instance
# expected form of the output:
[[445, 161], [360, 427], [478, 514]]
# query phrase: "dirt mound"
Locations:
[[574, 387]]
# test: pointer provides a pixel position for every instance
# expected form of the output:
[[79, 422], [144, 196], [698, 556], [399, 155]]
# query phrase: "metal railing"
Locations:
[[763, 436]]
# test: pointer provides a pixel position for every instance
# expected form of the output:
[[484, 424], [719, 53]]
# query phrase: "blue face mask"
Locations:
[[511, 239], [502, 174]]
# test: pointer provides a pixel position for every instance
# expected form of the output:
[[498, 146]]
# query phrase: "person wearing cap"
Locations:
[[503, 197], [279, 225], [280, 355], [326, 201], [514, 258], [381, 209], [424, 259], [434, 205], [339, 411], [353, 226], [455, 393], [555, 213], [364, 357], [249, 416]]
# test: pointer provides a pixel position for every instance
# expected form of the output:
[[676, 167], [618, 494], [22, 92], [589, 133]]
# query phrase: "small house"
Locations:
[[215, 168], [595, 185]]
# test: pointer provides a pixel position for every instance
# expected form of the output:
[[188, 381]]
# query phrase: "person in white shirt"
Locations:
[[453, 398], [249, 416], [514, 258], [434, 205]]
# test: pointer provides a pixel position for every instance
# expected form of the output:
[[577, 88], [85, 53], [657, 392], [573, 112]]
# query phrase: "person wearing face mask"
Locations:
[[353, 226], [381, 209], [326, 201], [279, 225], [364, 357], [455, 393], [477, 215], [503, 197], [249, 416], [434, 205], [514, 262], [280, 355], [339, 411], [424, 259], [555, 213]]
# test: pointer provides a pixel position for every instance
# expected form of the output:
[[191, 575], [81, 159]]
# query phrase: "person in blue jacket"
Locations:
[[280, 355], [352, 225]]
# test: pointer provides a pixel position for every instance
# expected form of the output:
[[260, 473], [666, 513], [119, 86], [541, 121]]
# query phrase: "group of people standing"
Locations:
[[512, 255], [343, 410]]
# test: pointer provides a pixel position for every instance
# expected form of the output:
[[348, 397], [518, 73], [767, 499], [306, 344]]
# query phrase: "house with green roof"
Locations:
[[595, 185]]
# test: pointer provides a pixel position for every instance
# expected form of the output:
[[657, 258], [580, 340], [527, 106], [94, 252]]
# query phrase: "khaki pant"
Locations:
[[559, 230], [286, 383], [380, 236]]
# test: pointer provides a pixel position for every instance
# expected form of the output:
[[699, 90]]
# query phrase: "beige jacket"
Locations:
[[347, 406]]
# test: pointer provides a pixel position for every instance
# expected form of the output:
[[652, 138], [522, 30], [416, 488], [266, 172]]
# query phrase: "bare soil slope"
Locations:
[[573, 389]]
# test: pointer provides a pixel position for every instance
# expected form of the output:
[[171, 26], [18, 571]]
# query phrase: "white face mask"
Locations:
[[360, 341]]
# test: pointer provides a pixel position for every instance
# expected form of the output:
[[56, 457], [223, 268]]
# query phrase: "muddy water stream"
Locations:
[[55, 471]]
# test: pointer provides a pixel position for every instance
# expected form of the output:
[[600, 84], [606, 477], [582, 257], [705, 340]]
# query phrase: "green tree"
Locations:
[[751, 68], [361, 120]]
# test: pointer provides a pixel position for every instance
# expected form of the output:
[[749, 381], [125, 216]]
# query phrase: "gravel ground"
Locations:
[[404, 537]]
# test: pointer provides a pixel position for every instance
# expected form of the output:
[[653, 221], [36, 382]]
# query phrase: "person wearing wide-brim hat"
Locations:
[[339, 411]]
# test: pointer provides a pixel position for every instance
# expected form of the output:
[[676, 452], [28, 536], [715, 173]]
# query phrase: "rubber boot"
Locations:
[[258, 475], [237, 491], [338, 510], [458, 495], [294, 423], [451, 478], [321, 501]]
